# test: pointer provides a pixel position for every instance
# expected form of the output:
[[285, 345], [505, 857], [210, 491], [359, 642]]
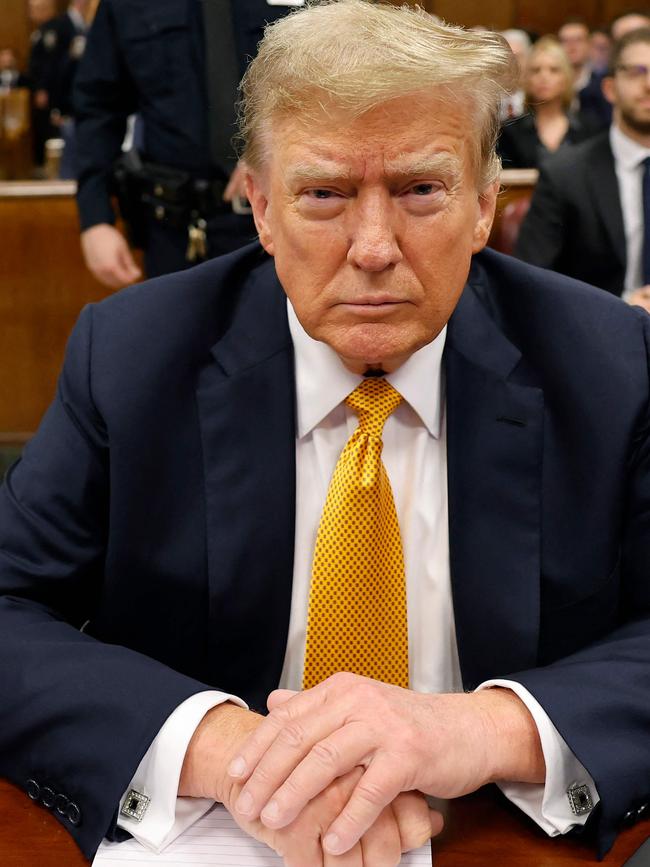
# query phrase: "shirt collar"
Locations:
[[627, 152], [323, 382]]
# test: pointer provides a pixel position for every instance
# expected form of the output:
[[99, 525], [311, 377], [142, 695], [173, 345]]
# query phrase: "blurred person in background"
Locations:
[[513, 104], [590, 212], [600, 46], [547, 126], [624, 23], [588, 97], [10, 75], [177, 66], [573, 36], [65, 41], [40, 12]]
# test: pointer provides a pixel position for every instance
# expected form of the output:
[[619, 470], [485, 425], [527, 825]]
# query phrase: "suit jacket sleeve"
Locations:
[[80, 723], [598, 697], [542, 232]]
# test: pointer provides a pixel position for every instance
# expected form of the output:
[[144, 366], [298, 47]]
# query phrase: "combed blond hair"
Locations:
[[551, 46], [355, 55]]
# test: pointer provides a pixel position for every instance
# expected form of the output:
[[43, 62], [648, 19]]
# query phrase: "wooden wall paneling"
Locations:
[[498, 14], [617, 7], [43, 286], [530, 14], [547, 17], [15, 29]]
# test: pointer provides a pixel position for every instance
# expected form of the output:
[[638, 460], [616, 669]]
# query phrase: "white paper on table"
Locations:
[[216, 840]]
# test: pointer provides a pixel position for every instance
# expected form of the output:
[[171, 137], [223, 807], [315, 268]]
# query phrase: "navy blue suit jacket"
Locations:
[[155, 508]]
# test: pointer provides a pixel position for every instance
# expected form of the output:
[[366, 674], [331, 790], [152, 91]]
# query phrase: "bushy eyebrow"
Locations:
[[316, 173], [445, 165]]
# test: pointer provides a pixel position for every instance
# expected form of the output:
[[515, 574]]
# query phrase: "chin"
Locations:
[[371, 350]]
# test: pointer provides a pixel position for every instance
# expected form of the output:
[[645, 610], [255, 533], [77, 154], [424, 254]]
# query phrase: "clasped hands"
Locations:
[[335, 775]]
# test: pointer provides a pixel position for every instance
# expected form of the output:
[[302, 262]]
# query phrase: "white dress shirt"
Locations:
[[415, 457], [628, 163]]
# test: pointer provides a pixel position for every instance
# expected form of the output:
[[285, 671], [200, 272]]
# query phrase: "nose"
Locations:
[[373, 244]]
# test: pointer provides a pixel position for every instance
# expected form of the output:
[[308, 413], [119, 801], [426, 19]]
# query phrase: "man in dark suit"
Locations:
[[589, 101], [586, 217], [156, 539]]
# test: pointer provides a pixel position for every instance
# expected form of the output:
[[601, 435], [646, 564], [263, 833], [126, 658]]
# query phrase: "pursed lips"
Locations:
[[372, 301]]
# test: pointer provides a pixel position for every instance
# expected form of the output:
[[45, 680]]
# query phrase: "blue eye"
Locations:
[[322, 194], [422, 189]]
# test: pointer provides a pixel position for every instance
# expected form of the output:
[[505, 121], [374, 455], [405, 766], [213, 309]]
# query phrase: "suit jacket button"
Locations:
[[48, 797], [33, 790], [73, 813], [640, 813], [61, 804]]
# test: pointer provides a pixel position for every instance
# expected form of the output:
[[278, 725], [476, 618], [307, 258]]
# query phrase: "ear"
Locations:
[[607, 86], [256, 188], [487, 202]]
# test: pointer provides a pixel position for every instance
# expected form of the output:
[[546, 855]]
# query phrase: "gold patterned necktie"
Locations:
[[357, 602]]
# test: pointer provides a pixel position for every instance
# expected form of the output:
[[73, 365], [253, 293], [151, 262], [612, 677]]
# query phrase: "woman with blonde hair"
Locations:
[[548, 124]]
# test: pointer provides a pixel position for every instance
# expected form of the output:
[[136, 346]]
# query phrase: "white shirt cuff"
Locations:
[[548, 804], [157, 776]]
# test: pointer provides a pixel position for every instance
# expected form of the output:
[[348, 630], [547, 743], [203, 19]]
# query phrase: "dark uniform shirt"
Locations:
[[148, 58], [56, 48]]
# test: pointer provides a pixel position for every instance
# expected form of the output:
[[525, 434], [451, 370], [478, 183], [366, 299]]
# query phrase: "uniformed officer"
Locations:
[[57, 46], [176, 63], [40, 12]]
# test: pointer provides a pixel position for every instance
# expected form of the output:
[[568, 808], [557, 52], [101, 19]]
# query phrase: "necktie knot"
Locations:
[[373, 400]]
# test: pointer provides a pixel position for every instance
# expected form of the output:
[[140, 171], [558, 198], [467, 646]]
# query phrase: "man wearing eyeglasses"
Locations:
[[590, 212]]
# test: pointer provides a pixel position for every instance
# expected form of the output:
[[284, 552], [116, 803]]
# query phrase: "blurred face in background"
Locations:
[[600, 46], [629, 90], [574, 38], [546, 77], [627, 23], [7, 59], [40, 11]]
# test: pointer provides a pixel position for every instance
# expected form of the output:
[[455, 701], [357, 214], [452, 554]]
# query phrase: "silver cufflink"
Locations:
[[580, 800], [135, 805]]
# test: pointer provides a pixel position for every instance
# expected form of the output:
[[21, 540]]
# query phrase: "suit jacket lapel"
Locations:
[[246, 408], [494, 476], [603, 184]]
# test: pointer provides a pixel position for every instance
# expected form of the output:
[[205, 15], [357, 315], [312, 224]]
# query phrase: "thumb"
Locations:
[[437, 822], [279, 696], [128, 265]]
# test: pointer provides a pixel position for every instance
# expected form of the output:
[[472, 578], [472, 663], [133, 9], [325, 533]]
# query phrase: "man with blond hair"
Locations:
[[357, 462]]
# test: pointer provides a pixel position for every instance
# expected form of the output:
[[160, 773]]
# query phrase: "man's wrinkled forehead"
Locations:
[[407, 136]]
